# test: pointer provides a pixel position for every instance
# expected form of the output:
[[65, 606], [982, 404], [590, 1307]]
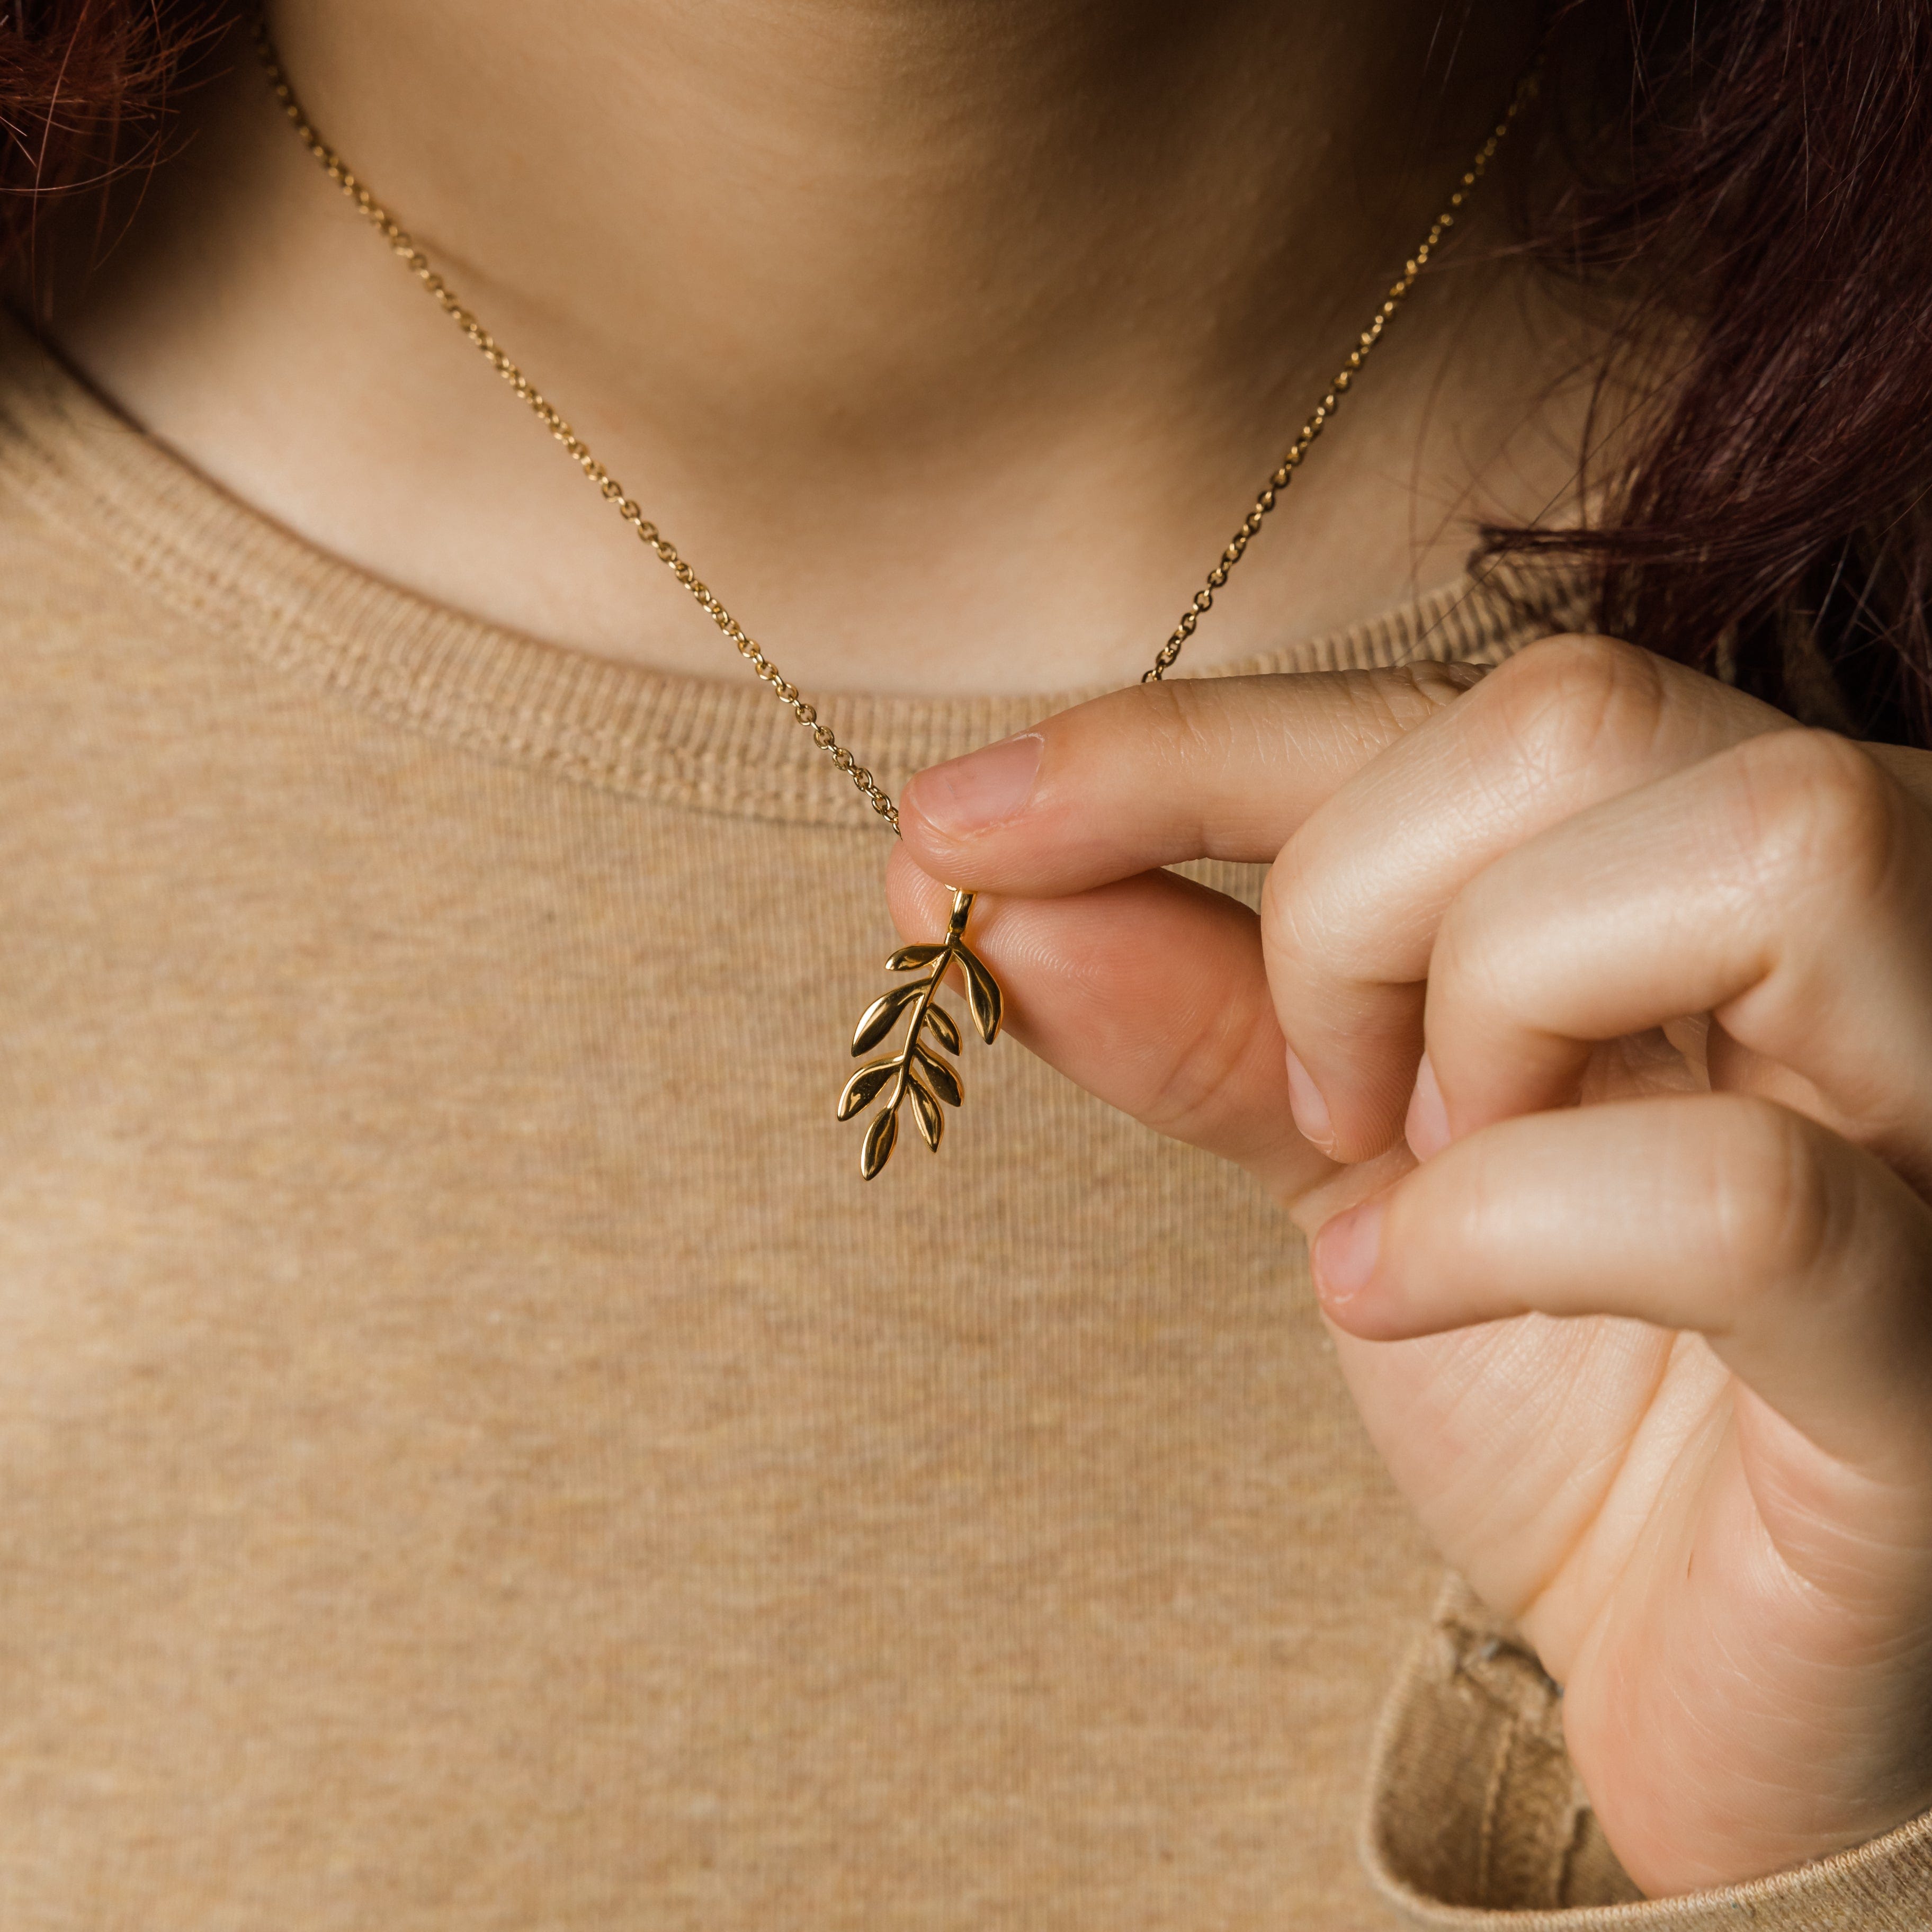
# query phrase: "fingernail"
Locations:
[[1345, 1252], [1427, 1126], [971, 793], [1305, 1103]]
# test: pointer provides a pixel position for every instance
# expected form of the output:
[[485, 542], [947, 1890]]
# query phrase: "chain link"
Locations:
[[1276, 485], [403, 244]]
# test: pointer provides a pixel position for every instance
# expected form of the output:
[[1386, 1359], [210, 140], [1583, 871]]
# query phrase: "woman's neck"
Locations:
[[948, 339]]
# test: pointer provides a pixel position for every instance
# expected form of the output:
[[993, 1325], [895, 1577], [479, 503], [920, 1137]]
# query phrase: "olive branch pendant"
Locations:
[[920, 1071]]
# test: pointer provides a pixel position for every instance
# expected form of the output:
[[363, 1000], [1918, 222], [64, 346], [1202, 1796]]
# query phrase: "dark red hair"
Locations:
[[84, 87], [1744, 186]]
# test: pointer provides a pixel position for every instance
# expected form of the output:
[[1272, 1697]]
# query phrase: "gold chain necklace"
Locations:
[[920, 1072]]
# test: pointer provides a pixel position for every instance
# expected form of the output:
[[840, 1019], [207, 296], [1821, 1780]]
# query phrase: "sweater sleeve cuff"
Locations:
[[1476, 1819]]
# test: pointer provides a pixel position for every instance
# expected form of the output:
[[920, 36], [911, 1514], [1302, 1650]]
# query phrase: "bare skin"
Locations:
[[1587, 1027], [950, 342]]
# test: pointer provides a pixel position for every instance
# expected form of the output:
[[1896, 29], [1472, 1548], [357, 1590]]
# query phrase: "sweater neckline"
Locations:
[[716, 744]]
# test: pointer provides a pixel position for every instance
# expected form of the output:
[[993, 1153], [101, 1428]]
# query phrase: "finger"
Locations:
[[1784, 887], [1223, 768], [1149, 993], [1350, 916], [1806, 1262]]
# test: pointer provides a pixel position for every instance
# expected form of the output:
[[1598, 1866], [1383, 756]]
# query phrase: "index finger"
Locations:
[[1155, 774]]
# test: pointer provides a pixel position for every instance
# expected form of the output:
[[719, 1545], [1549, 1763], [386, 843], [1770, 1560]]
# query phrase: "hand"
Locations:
[[1656, 1370]]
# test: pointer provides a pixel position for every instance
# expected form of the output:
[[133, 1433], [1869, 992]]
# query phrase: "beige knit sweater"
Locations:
[[473, 1453]]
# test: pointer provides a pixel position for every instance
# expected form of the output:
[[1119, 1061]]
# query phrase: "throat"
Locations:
[[977, 326]]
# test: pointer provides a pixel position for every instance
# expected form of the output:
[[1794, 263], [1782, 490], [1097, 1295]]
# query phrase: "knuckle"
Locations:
[[1188, 1096], [1386, 705], [1476, 961], [1561, 704], [1296, 940], [1776, 1213], [1815, 812], [1279, 890], [1178, 720]]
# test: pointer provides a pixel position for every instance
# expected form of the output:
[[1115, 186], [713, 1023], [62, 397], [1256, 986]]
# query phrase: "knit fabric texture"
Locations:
[[474, 1455]]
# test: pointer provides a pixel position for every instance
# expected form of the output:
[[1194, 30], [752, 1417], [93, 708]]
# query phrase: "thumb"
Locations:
[[1157, 774], [1150, 993]]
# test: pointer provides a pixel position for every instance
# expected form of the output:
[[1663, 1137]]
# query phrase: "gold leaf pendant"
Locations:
[[920, 1072]]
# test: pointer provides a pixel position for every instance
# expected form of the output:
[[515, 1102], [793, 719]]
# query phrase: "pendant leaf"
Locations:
[[882, 1015], [945, 1081], [908, 957], [982, 994], [926, 1111], [864, 1086], [881, 1138], [918, 1079]]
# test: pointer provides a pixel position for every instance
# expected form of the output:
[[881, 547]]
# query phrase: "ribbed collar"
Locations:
[[715, 744]]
